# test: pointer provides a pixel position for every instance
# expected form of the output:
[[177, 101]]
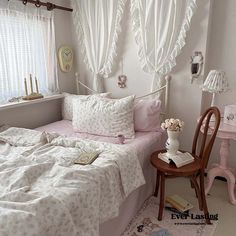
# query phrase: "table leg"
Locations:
[[157, 184], [231, 184], [162, 197], [222, 170]]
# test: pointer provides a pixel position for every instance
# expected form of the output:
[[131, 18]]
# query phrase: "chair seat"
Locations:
[[170, 169]]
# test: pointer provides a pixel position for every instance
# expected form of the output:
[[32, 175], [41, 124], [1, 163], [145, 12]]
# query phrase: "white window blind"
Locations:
[[27, 46]]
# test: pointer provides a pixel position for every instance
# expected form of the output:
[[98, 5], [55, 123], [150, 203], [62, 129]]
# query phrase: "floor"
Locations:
[[217, 200]]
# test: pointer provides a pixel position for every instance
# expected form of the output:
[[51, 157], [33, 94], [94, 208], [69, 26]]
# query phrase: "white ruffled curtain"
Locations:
[[27, 46], [160, 29], [98, 26]]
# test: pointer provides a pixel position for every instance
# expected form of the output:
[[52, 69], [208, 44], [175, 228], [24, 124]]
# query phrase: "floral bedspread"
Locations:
[[42, 191]]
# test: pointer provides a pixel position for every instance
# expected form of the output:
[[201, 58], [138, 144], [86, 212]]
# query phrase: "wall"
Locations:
[[222, 54], [185, 99], [65, 36], [39, 114]]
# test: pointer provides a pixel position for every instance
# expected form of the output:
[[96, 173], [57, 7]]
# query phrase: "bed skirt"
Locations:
[[130, 206]]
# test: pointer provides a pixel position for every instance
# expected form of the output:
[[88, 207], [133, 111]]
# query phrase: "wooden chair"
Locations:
[[201, 149]]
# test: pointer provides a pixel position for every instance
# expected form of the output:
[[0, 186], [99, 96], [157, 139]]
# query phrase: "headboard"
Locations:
[[161, 93]]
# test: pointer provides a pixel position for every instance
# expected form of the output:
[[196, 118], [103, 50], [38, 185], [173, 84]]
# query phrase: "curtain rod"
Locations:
[[50, 6]]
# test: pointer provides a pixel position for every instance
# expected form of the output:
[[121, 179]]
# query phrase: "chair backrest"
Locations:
[[202, 147]]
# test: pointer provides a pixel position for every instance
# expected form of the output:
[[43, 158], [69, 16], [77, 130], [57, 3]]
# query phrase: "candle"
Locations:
[[31, 83], [26, 90], [36, 83]]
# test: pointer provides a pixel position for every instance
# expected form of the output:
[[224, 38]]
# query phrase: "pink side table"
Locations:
[[225, 133]]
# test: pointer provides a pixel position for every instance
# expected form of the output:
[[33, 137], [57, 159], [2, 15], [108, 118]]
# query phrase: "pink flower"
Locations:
[[173, 124]]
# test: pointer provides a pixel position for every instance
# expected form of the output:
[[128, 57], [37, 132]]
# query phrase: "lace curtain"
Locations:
[[98, 26], [160, 28], [27, 46]]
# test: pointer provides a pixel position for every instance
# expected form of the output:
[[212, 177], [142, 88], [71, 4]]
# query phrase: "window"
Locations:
[[27, 46]]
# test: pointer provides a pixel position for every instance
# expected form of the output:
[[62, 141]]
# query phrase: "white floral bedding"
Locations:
[[43, 193]]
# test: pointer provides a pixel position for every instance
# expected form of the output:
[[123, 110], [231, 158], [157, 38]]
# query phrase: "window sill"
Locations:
[[25, 103]]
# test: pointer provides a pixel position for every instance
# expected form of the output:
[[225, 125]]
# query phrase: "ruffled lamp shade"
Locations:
[[216, 82]]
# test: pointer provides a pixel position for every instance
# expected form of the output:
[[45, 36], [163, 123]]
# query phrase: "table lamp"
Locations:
[[216, 82]]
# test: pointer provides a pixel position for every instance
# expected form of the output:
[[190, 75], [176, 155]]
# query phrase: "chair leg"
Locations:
[[192, 186], [197, 191], [203, 196], [162, 196], [157, 184]]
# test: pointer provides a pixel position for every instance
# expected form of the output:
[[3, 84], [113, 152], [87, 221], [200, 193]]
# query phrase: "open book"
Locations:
[[86, 158], [179, 203], [181, 159]]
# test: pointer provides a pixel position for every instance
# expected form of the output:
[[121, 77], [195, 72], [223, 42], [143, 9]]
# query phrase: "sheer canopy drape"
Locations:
[[98, 26], [27, 46], [160, 29]]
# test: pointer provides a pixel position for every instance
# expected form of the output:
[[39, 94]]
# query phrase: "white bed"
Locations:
[[44, 193], [144, 144]]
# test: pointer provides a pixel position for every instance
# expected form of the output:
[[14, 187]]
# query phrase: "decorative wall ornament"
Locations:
[[122, 78], [196, 65], [65, 57], [98, 41], [160, 41], [122, 81]]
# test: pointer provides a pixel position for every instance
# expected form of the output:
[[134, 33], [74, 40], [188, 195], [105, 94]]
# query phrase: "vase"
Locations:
[[172, 143]]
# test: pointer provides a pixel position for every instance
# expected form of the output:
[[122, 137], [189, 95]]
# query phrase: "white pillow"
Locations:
[[67, 104], [106, 117]]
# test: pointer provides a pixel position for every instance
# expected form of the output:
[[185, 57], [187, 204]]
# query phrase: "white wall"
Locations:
[[222, 54], [185, 99], [39, 114], [65, 36]]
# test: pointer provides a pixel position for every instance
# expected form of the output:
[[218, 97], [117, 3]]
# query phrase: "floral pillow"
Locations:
[[106, 117], [67, 104]]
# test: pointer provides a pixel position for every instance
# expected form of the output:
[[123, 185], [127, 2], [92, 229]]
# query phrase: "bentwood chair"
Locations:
[[201, 149]]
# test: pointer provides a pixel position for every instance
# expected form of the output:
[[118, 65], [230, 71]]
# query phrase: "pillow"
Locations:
[[67, 105], [147, 115], [106, 117]]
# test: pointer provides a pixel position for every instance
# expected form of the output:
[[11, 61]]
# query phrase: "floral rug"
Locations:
[[145, 223]]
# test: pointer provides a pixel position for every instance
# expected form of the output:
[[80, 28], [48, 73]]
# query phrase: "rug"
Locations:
[[145, 223]]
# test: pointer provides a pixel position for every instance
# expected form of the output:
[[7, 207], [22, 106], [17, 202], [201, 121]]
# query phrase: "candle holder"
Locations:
[[33, 95]]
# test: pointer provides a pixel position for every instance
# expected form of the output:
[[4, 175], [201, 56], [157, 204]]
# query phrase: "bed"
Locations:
[[44, 193], [144, 144]]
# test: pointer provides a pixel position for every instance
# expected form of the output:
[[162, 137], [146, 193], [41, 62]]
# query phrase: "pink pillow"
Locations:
[[147, 115]]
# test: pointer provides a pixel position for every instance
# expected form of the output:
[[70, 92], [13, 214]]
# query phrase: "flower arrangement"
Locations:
[[173, 124]]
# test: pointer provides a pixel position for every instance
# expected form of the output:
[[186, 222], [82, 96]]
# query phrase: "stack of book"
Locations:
[[178, 204]]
